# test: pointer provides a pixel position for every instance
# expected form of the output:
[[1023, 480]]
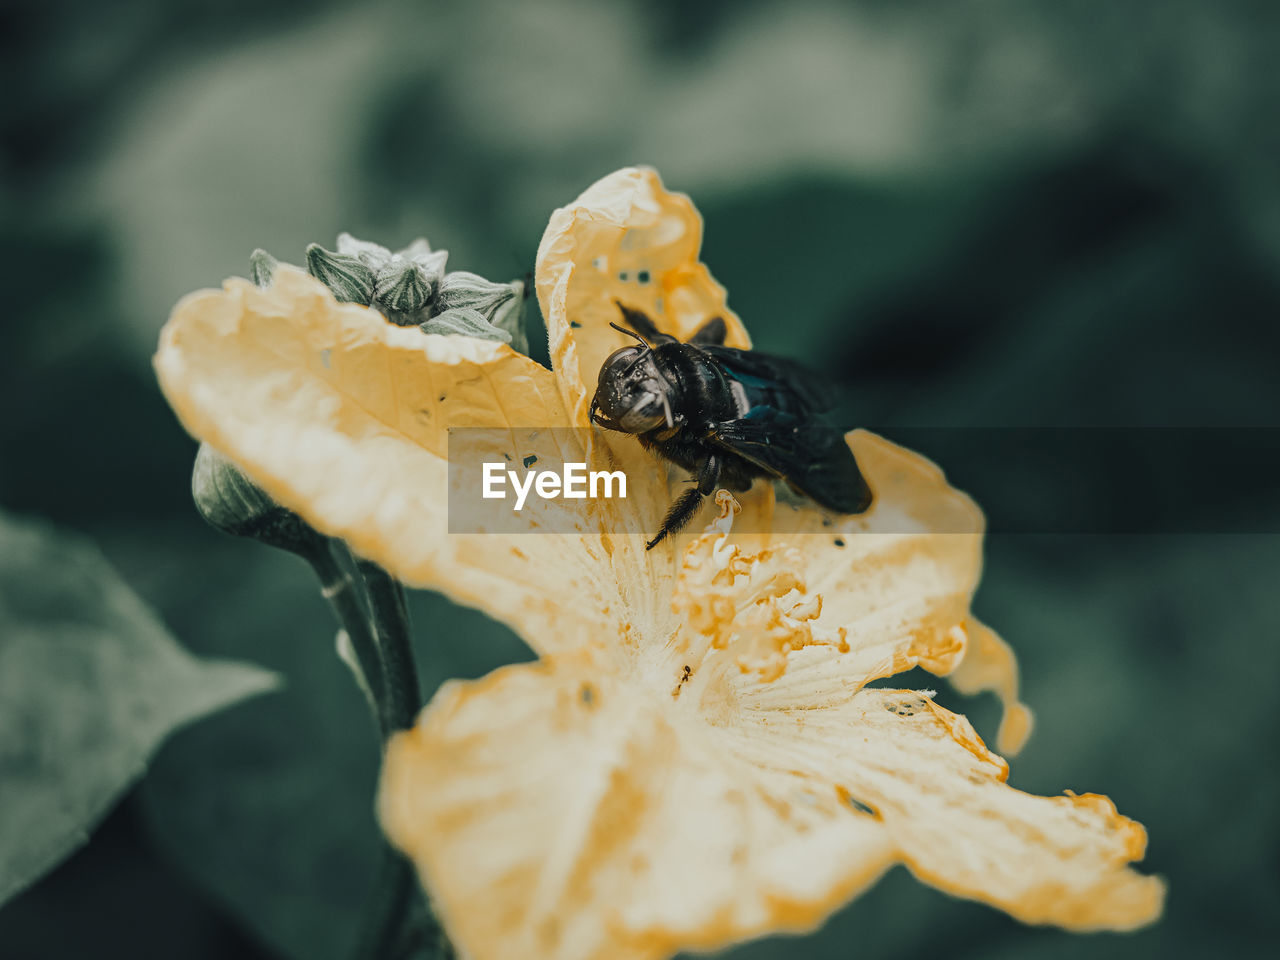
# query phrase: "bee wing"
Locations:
[[812, 457], [811, 391]]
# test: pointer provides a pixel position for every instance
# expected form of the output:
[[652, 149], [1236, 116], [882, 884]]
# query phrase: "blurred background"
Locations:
[[973, 214]]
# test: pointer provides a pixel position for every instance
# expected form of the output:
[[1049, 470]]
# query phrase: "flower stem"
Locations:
[[370, 608], [392, 928], [343, 594], [376, 620], [401, 695], [387, 920]]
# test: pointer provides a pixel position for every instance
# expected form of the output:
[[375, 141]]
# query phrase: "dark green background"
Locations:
[[973, 214]]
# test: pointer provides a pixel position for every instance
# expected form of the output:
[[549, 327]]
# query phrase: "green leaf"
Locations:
[[270, 808], [90, 684]]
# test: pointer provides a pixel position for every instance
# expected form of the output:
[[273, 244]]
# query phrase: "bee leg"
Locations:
[[686, 505]]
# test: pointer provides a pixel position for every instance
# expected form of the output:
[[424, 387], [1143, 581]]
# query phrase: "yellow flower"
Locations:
[[697, 756]]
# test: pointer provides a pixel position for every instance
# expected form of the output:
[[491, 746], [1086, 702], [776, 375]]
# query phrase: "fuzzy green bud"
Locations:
[[404, 282], [373, 255], [463, 289], [465, 322], [262, 267], [349, 278], [403, 288], [229, 501], [501, 304], [509, 316]]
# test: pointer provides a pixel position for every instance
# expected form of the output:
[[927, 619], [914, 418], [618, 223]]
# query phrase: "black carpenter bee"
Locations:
[[728, 416]]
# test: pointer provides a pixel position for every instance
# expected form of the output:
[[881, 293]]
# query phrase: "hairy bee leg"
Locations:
[[686, 505], [681, 512]]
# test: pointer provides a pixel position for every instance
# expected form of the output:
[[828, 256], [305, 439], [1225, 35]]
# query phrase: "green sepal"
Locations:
[[465, 322], [350, 280], [231, 502], [501, 304], [262, 268]]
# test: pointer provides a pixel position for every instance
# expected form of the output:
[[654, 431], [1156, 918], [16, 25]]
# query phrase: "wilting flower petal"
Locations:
[[557, 812], [343, 418], [569, 810], [624, 239]]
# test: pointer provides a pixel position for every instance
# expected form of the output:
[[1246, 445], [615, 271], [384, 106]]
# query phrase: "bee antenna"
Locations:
[[631, 333]]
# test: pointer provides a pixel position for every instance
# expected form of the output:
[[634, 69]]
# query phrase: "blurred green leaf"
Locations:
[[90, 684], [270, 808]]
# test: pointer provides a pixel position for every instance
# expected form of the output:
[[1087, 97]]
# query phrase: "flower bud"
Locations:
[[501, 304], [403, 283], [373, 255], [402, 290], [463, 289], [262, 267], [510, 317], [348, 278], [465, 322], [231, 502], [432, 261]]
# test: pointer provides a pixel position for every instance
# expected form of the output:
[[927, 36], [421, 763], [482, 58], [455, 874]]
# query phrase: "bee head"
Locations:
[[632, 395]]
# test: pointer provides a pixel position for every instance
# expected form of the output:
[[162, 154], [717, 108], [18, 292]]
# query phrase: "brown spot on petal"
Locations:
[[849, 800]]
